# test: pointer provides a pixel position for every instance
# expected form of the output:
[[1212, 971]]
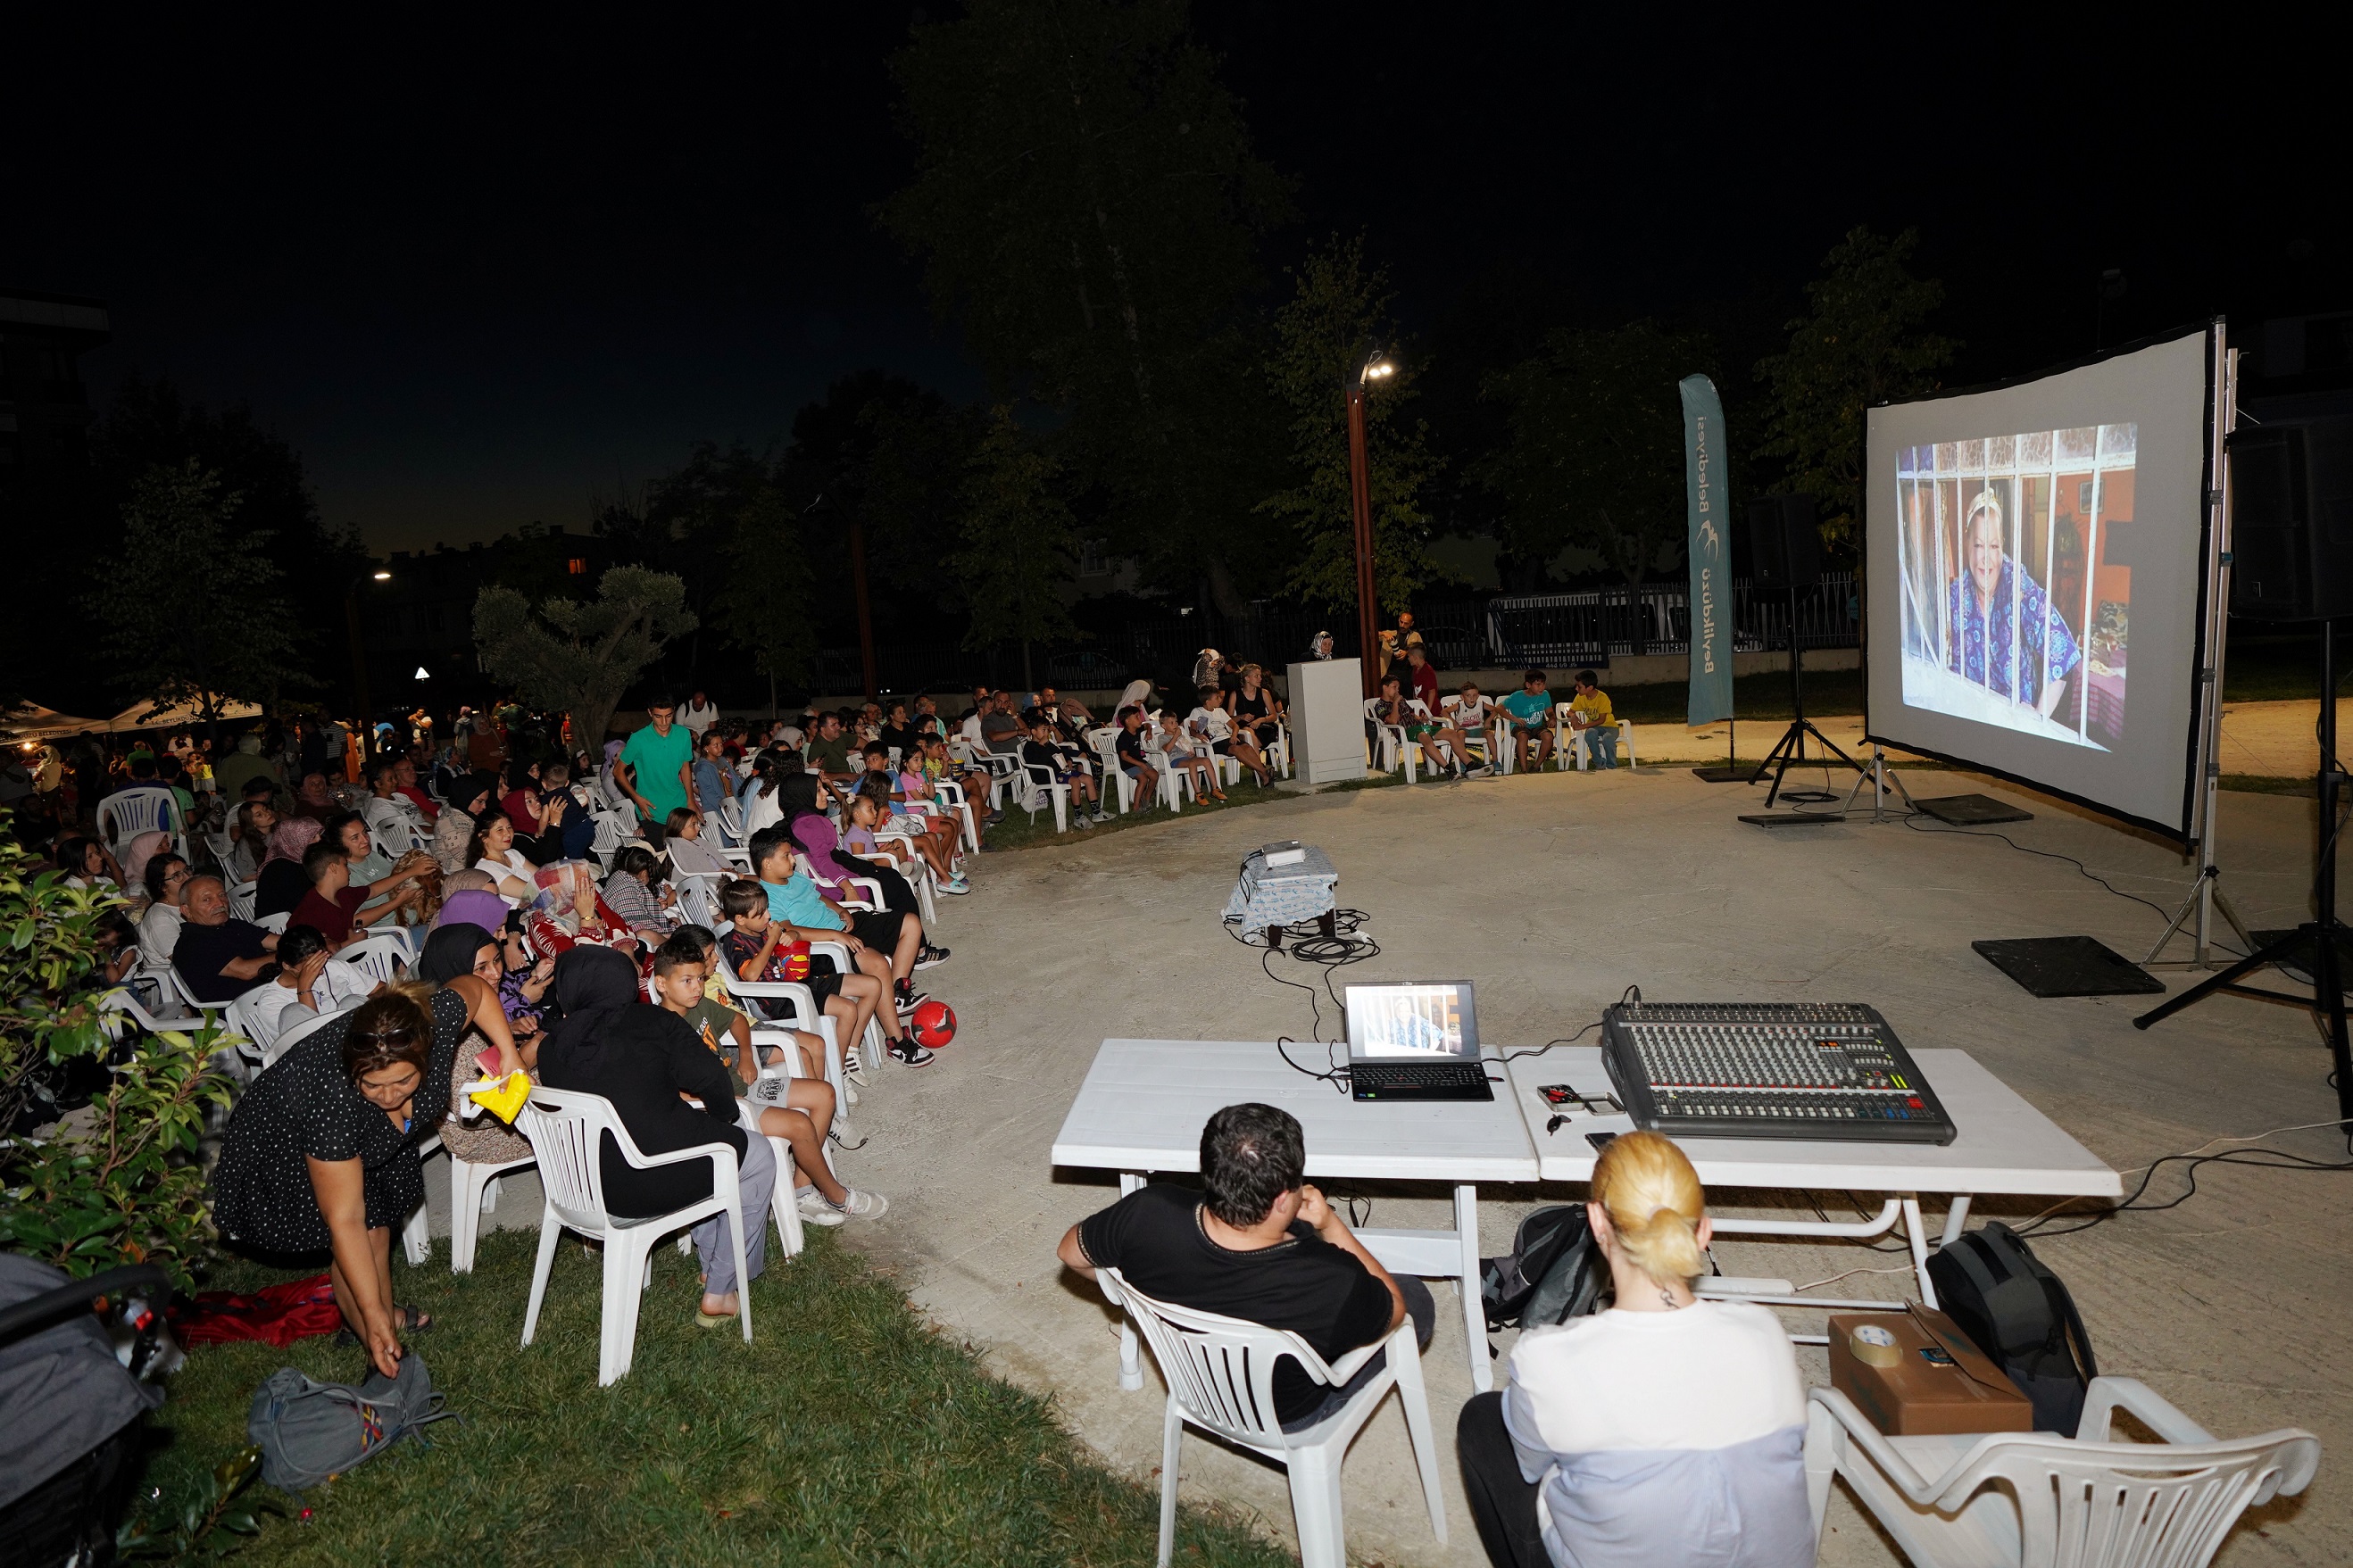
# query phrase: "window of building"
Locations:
[[1094, 560], [577, 566]]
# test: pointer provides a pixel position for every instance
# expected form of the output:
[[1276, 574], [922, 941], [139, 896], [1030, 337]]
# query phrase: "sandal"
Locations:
[[419, 1320]]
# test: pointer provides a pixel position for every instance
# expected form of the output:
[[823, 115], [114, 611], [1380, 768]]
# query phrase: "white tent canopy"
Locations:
[[31, 721], [177, 716]]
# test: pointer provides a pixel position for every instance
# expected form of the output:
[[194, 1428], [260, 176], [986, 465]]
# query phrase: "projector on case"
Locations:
[[1287, 853]]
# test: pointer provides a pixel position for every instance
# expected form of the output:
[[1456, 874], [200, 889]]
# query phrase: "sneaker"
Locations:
[[1080, 821], [863, 1205], [930, 954], [814, 1209], [906, 1053], [1101, 815], [908, 1000], [1481, 772], [955, 885]]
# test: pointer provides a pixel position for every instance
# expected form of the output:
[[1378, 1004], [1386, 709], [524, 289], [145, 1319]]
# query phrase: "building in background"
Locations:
[[422, 616], [45, 411]]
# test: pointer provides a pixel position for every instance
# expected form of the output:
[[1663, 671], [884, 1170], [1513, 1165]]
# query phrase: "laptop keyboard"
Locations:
[[1383, 1074]]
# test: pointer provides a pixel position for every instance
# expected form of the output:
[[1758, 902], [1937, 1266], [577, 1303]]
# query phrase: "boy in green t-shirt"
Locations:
[[654, 767], [1528, 717]]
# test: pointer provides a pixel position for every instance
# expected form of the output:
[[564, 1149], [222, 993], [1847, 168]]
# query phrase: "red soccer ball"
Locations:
[[934, 1025]]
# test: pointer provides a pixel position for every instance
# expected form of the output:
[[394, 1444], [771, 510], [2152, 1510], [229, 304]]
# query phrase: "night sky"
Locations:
[[483, 274]]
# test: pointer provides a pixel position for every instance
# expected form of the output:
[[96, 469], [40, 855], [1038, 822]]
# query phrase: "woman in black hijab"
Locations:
[[321, 1155], [641, 1057]]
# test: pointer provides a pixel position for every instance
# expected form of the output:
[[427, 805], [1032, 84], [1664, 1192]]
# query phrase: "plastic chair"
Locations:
[[1387, 745], [142, 808], [240, 900], [471, 1196], [568, 1127], [1478, 734], [1036, 784], [2035, 1499], [276, 924], [1565, 739], [1220, 1376], [383, 958], [289, 1035]]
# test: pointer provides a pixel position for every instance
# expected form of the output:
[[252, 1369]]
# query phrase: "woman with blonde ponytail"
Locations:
[[1666, 1430]]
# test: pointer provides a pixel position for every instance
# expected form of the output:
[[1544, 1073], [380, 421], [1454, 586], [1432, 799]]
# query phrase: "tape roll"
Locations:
[[1875, 1346]]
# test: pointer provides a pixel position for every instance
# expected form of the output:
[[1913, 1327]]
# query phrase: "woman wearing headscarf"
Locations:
[[569, 913], [279, 884], [642, 1059], [459, 948], [321, 1154], [453, 831], [473, 906], [143, 847]]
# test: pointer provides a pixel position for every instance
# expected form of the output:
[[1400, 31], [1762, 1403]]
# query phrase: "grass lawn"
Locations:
[[848, 1431]]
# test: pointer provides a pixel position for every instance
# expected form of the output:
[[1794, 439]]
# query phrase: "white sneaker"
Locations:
[[815, 1210], [861, 1203]]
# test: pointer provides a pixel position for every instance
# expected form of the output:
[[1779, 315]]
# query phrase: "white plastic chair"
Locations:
[[1565, 739], [472, 1195], [2034, 1499], [568, 1127], [289, 1035], [383, 958], [240, 900], [1478, 734], [1386, 746], [276, 924], [1220, 1376], [142, 808], [1036, 784]]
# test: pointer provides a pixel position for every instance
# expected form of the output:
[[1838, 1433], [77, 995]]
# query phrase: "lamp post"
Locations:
[[1377, 367], [359, 660]]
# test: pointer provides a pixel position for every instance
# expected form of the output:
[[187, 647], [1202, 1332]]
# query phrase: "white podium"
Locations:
[[1327, 719]]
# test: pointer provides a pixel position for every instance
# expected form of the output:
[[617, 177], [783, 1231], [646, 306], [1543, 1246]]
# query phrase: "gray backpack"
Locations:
[[310, 1432]]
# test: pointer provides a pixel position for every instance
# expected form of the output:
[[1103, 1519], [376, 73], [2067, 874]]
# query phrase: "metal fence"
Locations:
[[1560, 631]]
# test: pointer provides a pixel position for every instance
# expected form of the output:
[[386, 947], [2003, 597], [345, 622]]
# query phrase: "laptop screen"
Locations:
[[1425, 1022]]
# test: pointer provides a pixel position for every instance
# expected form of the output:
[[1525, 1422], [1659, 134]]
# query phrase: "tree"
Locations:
[[189, 611], [765, 600], [1861, 344], [1337, 312], [581, 657], [1086, 206], [1593, 451], [1020, 540]]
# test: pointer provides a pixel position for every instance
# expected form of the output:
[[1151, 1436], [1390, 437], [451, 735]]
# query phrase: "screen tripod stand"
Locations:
[[2314, 944], [1789, 751]]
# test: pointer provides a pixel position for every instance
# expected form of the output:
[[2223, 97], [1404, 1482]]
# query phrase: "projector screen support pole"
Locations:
[[1879, 778], [2319, 935], [2206, 894], [1789, 751]]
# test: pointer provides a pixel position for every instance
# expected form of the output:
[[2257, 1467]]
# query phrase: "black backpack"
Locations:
[[1552, 1273], [2020, 1314]]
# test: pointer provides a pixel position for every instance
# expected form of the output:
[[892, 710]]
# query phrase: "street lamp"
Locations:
[[359, 657], [1377, 367]]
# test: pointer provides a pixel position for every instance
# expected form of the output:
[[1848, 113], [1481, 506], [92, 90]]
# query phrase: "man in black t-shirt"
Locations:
[[1261, 1244], [220, 959]]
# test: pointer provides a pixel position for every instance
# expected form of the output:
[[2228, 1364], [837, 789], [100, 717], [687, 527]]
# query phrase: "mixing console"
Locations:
[[1812, 1070]]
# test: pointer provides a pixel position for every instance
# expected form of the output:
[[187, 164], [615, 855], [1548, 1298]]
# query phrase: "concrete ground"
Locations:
[[1555, 893]]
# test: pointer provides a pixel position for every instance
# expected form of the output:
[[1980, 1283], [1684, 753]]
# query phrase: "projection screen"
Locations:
[[2035, 573]]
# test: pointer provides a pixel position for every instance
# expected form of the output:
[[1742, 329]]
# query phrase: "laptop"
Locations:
[[1415, 1041]]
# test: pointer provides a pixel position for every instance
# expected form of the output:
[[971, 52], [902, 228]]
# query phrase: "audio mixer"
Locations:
[[1820, 1072]]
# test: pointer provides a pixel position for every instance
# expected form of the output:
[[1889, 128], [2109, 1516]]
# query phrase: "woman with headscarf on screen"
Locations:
[[2002, 628]]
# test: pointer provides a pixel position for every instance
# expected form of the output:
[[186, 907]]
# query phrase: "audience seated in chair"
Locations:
[[1261, 1244], [646, 1060], [218, 958], [1665, 1430], [310, 981], [1528, 719], [800, 1111], [1589, 714]]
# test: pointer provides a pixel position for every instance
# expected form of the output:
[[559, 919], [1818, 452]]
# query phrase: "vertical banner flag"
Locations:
[[1706, 494]]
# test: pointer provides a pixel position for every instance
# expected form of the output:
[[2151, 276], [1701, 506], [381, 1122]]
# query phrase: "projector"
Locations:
[[1287, 853]]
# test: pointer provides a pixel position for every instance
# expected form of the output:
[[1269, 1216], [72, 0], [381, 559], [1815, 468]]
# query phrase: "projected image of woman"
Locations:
[[2004, 632]]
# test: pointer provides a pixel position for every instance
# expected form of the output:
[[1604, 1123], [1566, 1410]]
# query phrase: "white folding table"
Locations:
[[2004, 1145], [1144, 1102]]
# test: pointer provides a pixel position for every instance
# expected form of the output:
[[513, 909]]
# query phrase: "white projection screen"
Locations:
[[2035, 578]]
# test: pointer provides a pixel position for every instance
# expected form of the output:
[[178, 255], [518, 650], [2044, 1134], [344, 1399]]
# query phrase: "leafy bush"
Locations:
[[126, 1185]]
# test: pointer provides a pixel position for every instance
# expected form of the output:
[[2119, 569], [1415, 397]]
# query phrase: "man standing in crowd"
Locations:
[[655, 766], [698, 716], [1260, 1244], [232, 773]]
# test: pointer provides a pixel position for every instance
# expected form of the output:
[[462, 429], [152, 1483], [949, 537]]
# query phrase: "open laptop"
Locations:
[[1418, 1040]]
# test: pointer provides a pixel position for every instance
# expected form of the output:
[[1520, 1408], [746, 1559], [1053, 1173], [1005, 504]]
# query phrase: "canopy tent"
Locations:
[[176, 716], [31, 721]]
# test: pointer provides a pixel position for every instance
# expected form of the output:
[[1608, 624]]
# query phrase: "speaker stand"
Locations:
[[1789, 751], [2207, 890], [2321, 933]]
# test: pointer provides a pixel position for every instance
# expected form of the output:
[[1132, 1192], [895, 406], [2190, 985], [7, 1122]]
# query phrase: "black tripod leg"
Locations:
[[1832, 747], [2283, 948]]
